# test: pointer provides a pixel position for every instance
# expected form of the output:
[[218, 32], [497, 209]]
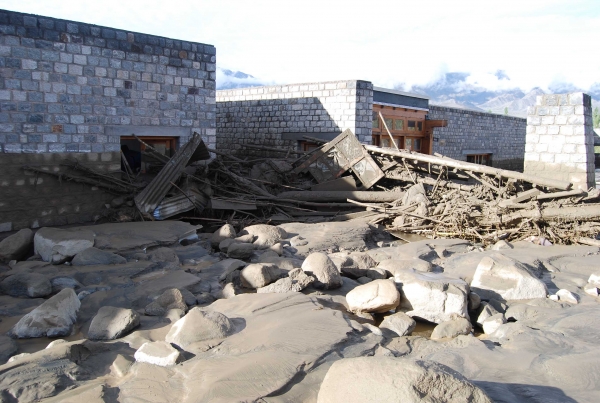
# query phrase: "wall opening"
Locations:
[[139, 157]]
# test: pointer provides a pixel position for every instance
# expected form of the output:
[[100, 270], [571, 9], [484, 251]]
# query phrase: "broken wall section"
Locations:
[[30, 200], [560, 139], [477, 133], [278, 116]]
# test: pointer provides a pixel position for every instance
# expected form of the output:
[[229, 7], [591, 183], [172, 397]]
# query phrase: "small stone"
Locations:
[[248, 238], [204, 298], [240, 250], [91, 256], [399, 323], [112, 323], [259, 275], [451, 329], [322, 267], [567, 296], [474, 301], [32, 285], [158, 353], [266, 235], [491, 324], [199, 325], [188, 297], [226, 231], [16, 246], [226, 243], [487, 311], [592, 290], [170, 299], [120, 366], [364, 280], [378, 296], [229, 291]]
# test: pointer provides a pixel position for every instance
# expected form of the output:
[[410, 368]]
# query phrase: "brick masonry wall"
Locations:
[[261, 115], [560, 139], [63, 82], [471, 132], [32, 200]]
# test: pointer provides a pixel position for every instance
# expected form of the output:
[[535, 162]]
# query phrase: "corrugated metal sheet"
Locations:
[[180, 204], [149, 198]]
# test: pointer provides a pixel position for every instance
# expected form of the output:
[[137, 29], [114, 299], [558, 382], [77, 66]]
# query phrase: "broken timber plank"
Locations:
[[327, 196], [558, 195], [467, 166]]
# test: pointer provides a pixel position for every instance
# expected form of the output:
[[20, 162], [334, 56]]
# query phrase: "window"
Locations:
[[412, 125], [412, 144], [398, 124], [481, 159], [420, 126], [389, 122], [375, 120]]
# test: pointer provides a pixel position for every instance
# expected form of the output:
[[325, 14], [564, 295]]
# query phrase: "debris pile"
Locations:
[[404, 191]]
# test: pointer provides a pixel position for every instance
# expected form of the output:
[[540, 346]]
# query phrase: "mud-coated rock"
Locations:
[[491, 324], [432, 296], [59, 245], [93, 255], [16, 246], [266, 235], [199, 325], [112, 323], [170, 299], [399, 323], [158, 353], [54, 318], [389, 379], [500, 277], [8, 348], [296, 281], [451, 329], [226, 231], [258, 275], [32, 285], [377, 296], [392, 266], [320, 266], [240, 250]]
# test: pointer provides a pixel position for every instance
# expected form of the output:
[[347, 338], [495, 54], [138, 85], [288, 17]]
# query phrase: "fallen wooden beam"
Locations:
[[332, 196], [589, 212], [467, 166]]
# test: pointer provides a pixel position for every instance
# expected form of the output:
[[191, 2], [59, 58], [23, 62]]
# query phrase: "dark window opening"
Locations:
[[140, 158], [481, 159]]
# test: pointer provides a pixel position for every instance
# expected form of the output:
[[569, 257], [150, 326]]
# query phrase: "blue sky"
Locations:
[[535, 43]]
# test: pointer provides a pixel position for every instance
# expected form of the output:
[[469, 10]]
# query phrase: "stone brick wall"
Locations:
[[560, 139], [63, 82], [32, 200], [471, 132], [269, 116]]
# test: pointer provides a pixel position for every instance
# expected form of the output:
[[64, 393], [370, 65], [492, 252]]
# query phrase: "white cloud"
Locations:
[[535, 42]]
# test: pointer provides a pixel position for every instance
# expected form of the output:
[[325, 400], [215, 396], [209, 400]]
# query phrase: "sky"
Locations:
[[501, 44]]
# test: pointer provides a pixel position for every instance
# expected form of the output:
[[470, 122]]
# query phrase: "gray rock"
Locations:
[[399, 323], [199, 325], [502, 245], [320, 266], [170, 299], [491, 324], [391, 266], [158, 353], [226, 243], [377, 274], [240, 250], [486, 311], [474, 301], [165, 255], [112, 323], [226, 231], [500, 277], [266, 235], [451, 329], [567, 296], [364, 280], [93, 255], [62, 282], [258, 275], [26, 284], [54, 318], [204, 298], [8, 348], [296, 281], [16, 246], [59, 245], [432, 296], [377, 296], [246, 238], [298, 241], [188, 297], [389, 379]]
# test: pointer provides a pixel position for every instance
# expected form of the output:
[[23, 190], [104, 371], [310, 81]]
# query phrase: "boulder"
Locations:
[[353, 265], [594, 279], [377, 296], [170, 299], [54, 318], [112, 323], [486, 311], [266, 235], [26, 284], [390, 379], [296, 281], [502, 245], [364, 280], [474, 301], [59, 245], [205, 298], [226, 231], [392, 265], [500, 277], [259, 275], [567, 296], [451, 329], [240, 250], [164, 255], [188, 297], [319, 265], [226, 243], [377, 274], [491, 324], [62, 282], [399, 323], [16, 246], [432, 296], [199, 325], [158, 353], [93, 255]]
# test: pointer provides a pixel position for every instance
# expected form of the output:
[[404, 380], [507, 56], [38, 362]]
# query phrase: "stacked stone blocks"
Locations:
[[260, 115], [560, 141]]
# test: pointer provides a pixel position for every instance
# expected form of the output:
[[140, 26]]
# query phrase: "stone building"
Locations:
[[70, 90]]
